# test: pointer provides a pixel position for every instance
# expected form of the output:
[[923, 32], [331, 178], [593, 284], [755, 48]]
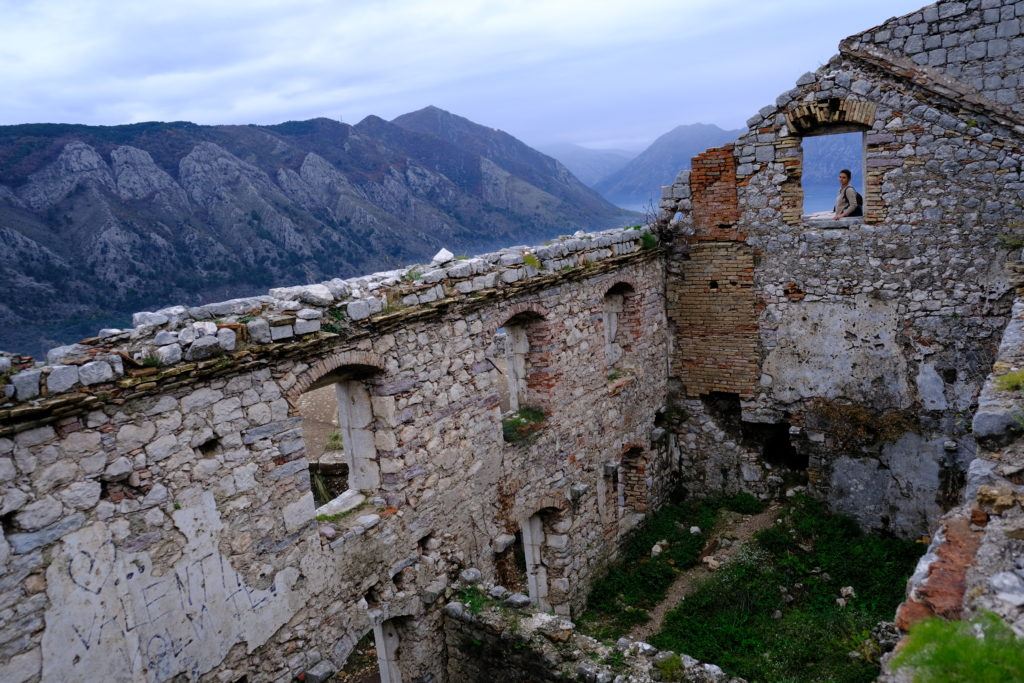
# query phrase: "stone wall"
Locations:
[[976, 42], [973, 564], [874, 335], [160, 523], [493, 642]]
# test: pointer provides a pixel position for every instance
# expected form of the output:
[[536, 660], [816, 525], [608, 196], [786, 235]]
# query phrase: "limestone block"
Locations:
[[226, 338], [26, 384], [61, 378], [169, 355], [299, 513], [118, 470], [259, 331], [95, 373], [303, 326], [57, 474], [164, 337], [279, 332], [358, 310], [38, 514], [441, 257], [148, 318], [81, 495], [61, 354]]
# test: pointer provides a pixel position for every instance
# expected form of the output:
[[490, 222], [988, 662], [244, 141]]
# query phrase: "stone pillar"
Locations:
[[355, 417], [536, 572], [385, 637]]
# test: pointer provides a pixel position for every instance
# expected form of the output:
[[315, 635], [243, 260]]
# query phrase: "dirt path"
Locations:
[[739, 529]]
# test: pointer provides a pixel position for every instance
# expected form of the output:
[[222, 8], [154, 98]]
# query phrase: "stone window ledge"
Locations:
[[812, 221]]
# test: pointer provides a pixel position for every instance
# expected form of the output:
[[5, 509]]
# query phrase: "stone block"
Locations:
[[26, 384], [279, 332], [169, 355], [95, 373], [306, 326], [358, 310], [259, 331], [300, 513]]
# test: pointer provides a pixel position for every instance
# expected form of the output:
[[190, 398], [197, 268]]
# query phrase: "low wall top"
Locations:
[[164, 341]]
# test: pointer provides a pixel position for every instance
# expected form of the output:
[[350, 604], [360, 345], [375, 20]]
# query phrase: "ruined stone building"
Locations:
[[159, 515]]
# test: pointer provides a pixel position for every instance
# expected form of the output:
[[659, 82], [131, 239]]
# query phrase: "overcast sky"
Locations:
[[601, 74]]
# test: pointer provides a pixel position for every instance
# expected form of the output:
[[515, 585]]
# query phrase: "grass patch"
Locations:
[[474, 599], [637, 582], [334, 441], [670, 668], [522, 425], [983, 650], [797, 567], [1011, 242], [532, 261], [334, 322], [412, 275], [648, 241], [1011, 381], [338, 516], [743, 503], [615, 374], [150, 361]]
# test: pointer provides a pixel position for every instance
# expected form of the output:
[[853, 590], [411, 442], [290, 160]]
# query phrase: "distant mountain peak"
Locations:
[[639, 182]]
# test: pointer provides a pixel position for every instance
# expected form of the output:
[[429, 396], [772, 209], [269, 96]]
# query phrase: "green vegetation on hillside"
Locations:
[[984, 650]]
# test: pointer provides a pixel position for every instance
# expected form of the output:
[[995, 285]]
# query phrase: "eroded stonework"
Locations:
[[159, 516]]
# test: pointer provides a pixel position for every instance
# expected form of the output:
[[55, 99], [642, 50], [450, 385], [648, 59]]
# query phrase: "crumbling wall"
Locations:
[[973, 564], [160, 523], [499, 643], [873, 335]]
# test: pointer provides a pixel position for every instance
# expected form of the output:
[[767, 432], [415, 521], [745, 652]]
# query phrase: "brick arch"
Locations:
[[551, 501], [810, 117], [516, 309], [327, 365], [619, 279]]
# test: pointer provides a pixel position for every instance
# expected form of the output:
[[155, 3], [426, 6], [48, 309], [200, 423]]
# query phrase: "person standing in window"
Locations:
[[849, 202]]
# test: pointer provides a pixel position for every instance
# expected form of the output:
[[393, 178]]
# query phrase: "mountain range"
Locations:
[[100, 221], [589, 165], [638, 183]]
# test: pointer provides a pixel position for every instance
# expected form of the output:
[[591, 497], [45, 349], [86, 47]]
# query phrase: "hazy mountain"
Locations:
[[97, 222], [589, 165], [826, 155], [640, 181]]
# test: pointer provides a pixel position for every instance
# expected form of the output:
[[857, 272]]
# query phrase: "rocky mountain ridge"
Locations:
[[96, 222]]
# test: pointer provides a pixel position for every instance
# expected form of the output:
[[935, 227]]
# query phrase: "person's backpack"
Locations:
[[859, 209]]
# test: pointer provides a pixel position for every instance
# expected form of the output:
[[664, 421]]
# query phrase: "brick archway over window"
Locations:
[[326, 366], [809, 117]]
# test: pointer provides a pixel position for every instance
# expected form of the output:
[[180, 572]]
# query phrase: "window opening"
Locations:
[[824, 156], [339, 430]]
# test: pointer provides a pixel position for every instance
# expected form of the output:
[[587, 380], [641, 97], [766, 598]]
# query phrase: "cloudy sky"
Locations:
[[592, 72]]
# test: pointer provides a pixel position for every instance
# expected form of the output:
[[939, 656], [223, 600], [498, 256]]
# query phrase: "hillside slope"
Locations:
[[97, 222]]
